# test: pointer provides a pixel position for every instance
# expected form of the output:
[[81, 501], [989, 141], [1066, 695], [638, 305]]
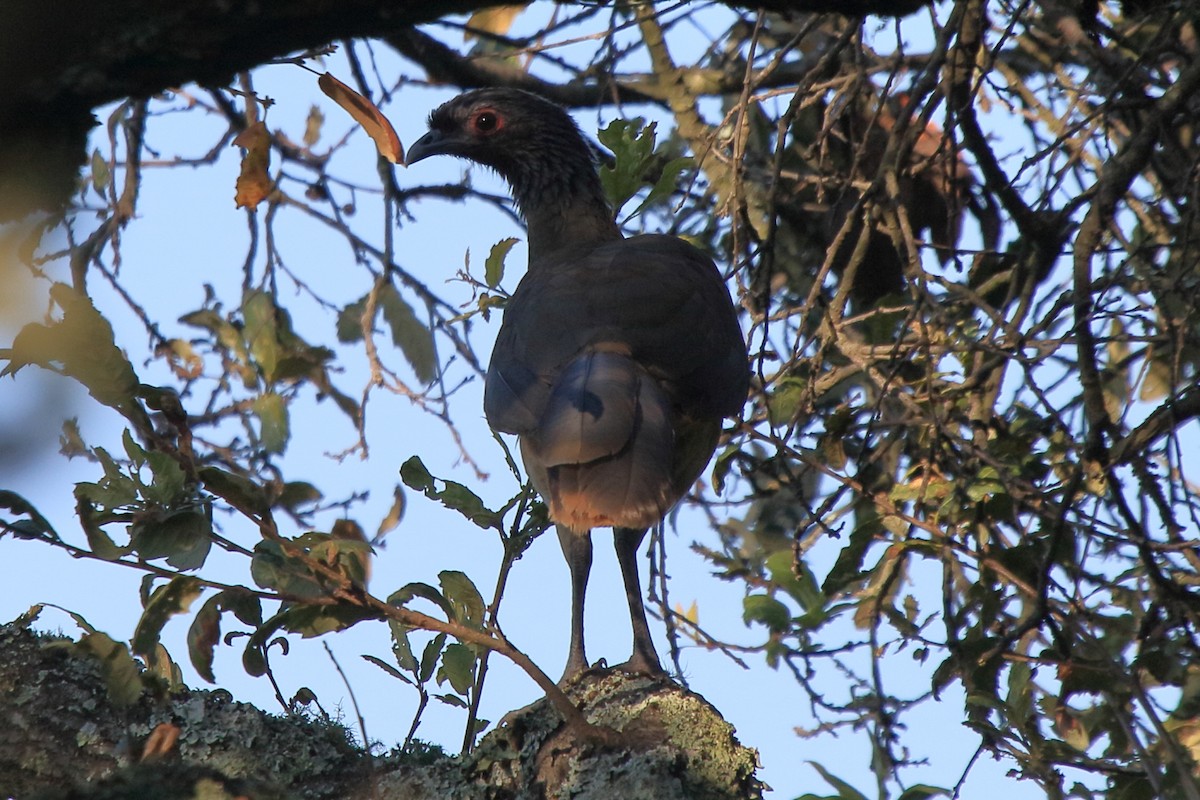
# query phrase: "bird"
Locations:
[[617, 358]]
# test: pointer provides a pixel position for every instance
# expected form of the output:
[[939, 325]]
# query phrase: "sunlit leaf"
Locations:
[[395, 513], [272, 412], [493, 267], [261, 332], [122, 677], [254, 184], [81, 345], [366, 114], [767, 610], [465, 599], [101, 175], [173, 598], [496, 20]]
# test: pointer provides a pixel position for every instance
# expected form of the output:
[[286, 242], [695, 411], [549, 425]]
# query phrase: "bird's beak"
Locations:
[[431, 144]]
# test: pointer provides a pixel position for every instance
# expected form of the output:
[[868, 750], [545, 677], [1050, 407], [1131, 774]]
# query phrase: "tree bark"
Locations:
[[63, 737]]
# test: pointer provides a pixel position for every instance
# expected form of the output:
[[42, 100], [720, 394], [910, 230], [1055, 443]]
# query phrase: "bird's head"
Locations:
[[537, 147], [529, 140]]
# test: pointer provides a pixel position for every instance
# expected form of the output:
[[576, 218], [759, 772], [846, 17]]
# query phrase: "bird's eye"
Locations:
[[486, 122]]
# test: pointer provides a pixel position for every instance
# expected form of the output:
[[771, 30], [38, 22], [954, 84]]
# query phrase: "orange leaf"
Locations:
[[254, 184], [366, 114]]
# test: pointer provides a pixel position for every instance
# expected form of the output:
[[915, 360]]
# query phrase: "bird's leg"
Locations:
[[577, 548], [644, 659]]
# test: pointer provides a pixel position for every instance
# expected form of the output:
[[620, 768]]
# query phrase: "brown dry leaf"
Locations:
[[254, 184], [497, 20], [313, 125], [161, 742], [366, 114]]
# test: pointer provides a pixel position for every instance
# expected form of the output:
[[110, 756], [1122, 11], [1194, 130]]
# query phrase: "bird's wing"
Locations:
[[655, 298]]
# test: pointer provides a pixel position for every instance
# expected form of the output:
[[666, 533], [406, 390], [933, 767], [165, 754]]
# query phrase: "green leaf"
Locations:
[[800, 587], [349, 321], [632, 144], [261, 333], [203, 635], [423, 590], [848, 567], [170, 482], [845, 790], [271, 568], [240, 492], [298, 493], [767, 610], [402, 648], [667, 182], [101, 175], [272, 412], [35, 526], [389, 669], [412, 336], [464, 598], [98, 541], [244, 604], [173, 598], [493, 268], [458, 667], [784, 401], [81, 345], [121, 675], [922, 791], [429, 657], [254, 659], [454, 496], [311, 621], [132, 449], [182, 537], [721, 466]]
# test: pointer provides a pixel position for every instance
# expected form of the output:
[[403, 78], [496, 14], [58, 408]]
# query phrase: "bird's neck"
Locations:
[[565, 210]]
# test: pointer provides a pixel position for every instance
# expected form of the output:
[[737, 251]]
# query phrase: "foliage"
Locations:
[[967, 265]]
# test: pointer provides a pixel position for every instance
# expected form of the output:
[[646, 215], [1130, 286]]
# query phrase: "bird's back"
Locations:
[[615, 363]]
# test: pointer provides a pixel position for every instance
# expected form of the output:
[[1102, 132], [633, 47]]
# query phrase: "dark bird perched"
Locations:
[[617, 358]]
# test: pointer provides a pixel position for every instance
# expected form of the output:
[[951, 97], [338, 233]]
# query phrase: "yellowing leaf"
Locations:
[[495, 20], [313, 125], [394, 515], [366, 114], [183, 359], [692, 614], [254, 184]]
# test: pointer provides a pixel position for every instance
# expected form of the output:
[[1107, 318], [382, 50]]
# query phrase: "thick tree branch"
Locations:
[[61, 61]]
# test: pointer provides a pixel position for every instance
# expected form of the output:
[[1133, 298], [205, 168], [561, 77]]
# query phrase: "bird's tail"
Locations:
[[604, 451]]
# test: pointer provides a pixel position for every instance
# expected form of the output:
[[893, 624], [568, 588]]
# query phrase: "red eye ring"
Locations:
[[486, 122]]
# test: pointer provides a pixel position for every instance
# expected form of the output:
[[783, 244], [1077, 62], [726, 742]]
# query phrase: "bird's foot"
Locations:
[[643, 664], [576, 670]]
